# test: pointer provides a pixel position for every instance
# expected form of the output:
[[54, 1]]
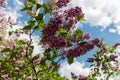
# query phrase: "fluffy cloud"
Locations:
[[116, 29], [101, 13], [13, 9], [77, 68]]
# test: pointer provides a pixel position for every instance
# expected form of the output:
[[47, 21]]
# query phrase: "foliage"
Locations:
[[60, 41]]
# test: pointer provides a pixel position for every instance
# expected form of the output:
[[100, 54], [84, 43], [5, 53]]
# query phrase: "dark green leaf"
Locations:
[[39, 6], [39, 18], [27, 27], [6, 50], [82, 43], [46, 10], [70, 61], [32, 1], [31, 23], [12, 54], [10, 33], [26, 8]]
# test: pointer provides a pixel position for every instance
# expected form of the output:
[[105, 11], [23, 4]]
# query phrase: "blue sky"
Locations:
[[102, 21]]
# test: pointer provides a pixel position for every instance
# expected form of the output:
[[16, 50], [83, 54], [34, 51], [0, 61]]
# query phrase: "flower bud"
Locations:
[[37, 61], [29, 78], [90, 59], [86, 36], [113, 57], [117, 44], [82, 77]]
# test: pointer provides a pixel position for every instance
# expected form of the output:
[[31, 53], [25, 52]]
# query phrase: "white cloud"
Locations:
[[13, 10], [100, 13], [112, 30], [116, 29], [77, 68]]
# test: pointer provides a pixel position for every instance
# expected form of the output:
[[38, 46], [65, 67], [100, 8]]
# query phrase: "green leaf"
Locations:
[[6, 50], [78, 33], [31, 22], [40, 25], [26, 8], [30, 48], [39, 6], [20, 42], [35, 57], [39, 18], [27, 27], [69, 43], [12, 55], [82, 43], [30, 25], [46, 10], [19, 49], [70, 61], [55, 54], [10, 33], [82, 18], [32, 1], [94, 79], [62, 32]]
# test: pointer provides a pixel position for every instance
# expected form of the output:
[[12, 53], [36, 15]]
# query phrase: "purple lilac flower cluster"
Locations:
[[62, 3], [69, 23], [74, 12], [102, 50], [50, 37], [70, 15], [80, 77], [58, 42], [80, 50], [113, 57], [3, 3], [50, 34], [86, 36]]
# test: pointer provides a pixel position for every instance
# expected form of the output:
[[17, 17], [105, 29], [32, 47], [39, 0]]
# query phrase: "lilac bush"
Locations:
[[59, 39]]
